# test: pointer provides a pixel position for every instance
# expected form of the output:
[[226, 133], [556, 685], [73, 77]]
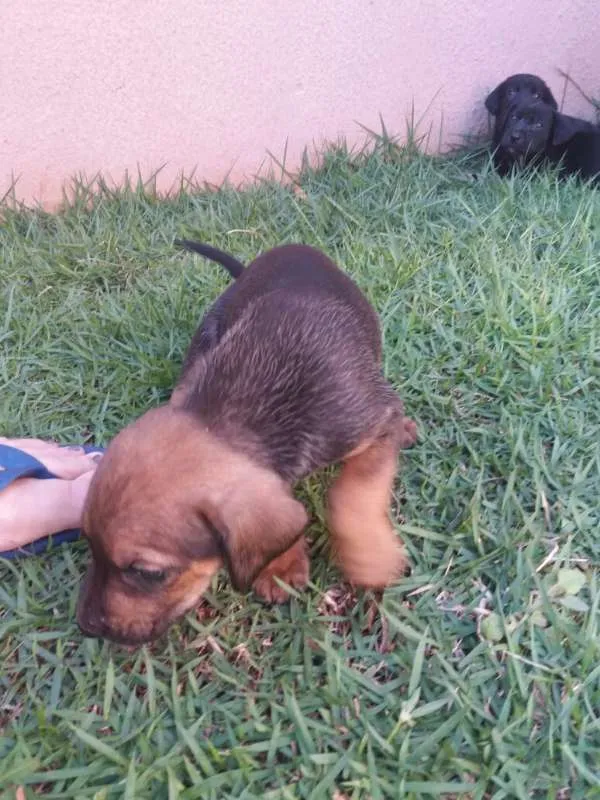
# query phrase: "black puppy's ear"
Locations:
[[493, 100], [566, 127], [254, 523]]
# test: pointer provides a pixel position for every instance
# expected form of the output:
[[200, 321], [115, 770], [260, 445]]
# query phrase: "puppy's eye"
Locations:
[[511, 91], [514, 117], [538, 124], [147, 575], [535, 94]]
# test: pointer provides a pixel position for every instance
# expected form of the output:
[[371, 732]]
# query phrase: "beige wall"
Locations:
[[212, 85]]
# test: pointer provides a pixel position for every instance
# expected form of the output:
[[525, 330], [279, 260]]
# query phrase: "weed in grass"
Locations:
[[476, 677]]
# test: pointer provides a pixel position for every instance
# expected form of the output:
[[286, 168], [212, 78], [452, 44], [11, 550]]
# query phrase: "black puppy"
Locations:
[[517, 90], [534, 133], [582, 155]]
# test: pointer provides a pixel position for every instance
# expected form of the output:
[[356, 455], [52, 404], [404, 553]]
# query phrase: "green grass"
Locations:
[[478, 676]]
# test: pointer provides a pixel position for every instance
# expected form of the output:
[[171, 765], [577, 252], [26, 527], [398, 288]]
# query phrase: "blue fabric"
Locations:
[[15, 464]]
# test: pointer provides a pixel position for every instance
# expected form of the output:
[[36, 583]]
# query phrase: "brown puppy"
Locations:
[[282, 378]]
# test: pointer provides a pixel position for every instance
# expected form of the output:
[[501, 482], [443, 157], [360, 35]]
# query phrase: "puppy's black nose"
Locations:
[[93, 631], [515, 136], [92, 625]]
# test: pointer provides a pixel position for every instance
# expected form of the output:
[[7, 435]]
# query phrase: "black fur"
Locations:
[[231, 264], [517, 90], [582, 155], [534, 133], [287, 363]]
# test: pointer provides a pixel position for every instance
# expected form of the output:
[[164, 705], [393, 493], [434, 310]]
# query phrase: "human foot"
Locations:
[[63, 462]]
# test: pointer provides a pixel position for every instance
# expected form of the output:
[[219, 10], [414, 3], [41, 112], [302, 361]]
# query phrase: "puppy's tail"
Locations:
[[231, 264]]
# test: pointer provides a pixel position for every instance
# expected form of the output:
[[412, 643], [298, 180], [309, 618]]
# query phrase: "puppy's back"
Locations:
[[296, 363], [301, 270], [297, 270], [582, 156], [299, 375]]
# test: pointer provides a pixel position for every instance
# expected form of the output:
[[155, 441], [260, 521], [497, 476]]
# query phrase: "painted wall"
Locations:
[[212, 85]]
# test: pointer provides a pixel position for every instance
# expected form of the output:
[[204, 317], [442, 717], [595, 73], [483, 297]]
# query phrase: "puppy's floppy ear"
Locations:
[[493, 100], [566, 127], [254, 522]]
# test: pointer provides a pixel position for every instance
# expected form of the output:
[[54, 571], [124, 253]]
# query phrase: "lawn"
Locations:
[[476, 677]]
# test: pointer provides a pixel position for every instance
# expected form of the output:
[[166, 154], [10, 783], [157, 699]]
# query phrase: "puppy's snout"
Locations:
[[91, 617], [515, 136], [92, 622], [92, 629]]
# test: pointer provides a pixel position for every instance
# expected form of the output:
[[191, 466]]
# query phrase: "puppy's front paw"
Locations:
[[385, 565], [291, 567]]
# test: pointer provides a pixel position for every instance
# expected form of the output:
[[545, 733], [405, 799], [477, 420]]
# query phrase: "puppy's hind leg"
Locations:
[[365, 544]]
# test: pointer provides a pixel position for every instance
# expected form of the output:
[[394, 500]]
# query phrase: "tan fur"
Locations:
[[187, 488], [292, 567], [364, 541], [187, 590], [134, 618]]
